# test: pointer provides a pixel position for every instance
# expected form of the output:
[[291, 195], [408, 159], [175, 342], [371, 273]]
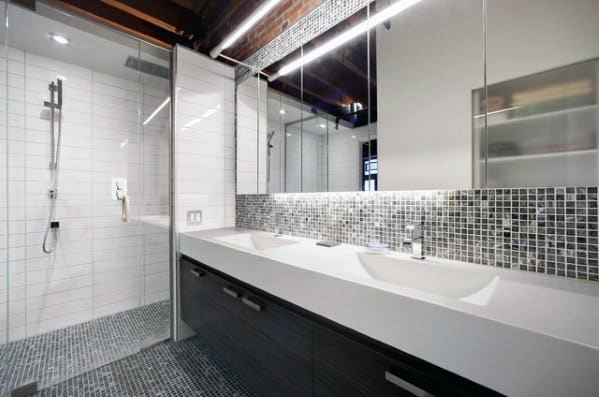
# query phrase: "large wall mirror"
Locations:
[[445, 94]]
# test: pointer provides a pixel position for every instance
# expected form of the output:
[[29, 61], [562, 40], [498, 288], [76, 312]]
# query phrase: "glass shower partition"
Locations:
[[85, 143]]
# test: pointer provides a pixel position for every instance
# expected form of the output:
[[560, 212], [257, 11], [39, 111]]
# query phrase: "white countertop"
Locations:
[[528, 335]]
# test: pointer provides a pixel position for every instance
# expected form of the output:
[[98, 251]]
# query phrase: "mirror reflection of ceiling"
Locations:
[[331, 84], [198, 24], [283, 109], [338, 82]]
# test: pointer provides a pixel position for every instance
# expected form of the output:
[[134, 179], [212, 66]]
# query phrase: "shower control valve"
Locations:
[[52, 193]]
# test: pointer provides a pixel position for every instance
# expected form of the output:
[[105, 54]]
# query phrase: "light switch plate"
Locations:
[[194, 217]]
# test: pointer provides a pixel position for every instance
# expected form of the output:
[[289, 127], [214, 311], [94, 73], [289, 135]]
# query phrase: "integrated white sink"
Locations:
[[256, 241], [451, 282], [488, 324]]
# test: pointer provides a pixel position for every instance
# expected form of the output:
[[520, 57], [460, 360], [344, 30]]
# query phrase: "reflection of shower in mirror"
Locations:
[[55, 110], [268, 154]]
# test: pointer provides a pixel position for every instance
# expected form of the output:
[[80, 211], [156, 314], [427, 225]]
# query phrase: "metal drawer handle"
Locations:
[[231, 292], [254, 305], [197, 273], [405, 385]]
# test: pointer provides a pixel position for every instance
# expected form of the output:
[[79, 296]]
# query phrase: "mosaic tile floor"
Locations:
[[65, 353], [181, 369]]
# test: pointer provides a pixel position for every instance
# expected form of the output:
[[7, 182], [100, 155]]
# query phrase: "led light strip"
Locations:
[[244, 27], [346, 36]]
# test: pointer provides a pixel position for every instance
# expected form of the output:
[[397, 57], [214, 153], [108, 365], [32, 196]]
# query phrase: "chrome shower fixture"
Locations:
[[55, 106]]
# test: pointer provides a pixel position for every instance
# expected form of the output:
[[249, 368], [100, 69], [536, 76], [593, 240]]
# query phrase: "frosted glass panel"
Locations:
[[542, 91]]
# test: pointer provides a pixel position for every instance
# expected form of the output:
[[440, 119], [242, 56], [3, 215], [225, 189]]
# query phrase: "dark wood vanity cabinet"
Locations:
[[346, 367], [284, 350], [268, 344]]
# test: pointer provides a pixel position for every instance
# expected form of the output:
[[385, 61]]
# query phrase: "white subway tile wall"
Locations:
[[205, 141], [102, 265]]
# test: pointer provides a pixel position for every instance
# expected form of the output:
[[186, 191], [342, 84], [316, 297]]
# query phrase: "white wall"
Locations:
[[431, 60], [205, 141], [427, 65], [345, 158], [251, 146], [101, 264], [313, 161]]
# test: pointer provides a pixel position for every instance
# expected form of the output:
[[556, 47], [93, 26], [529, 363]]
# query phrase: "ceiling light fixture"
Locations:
[[346, 36], [244, 27], [59, 39], [322, 125], [282, 111]]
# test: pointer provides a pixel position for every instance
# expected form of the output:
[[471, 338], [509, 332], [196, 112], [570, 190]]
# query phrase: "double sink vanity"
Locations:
[[297, 319], [454, 129]]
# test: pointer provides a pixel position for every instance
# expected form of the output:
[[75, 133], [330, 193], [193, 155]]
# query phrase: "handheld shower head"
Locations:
[[59, 83], [270, 136]]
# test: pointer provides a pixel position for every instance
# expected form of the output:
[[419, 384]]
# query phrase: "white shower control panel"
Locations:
[[118, 185]]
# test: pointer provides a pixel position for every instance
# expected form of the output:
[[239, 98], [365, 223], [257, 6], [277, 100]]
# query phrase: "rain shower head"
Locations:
[[147, 67]]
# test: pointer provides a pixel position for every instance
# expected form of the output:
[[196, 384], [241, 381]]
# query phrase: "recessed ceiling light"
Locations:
[[282, 111], [59, 39], [322, 125]]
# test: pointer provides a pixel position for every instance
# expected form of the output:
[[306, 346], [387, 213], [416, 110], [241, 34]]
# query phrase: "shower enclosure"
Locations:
[[84, 198]]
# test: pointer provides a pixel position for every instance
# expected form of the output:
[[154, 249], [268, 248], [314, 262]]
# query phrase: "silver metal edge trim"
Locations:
[[173, 245], [405, 385], [246, 301]]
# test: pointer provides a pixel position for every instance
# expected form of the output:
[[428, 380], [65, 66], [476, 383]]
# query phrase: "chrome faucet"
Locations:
[[415, 240], [278, 219]]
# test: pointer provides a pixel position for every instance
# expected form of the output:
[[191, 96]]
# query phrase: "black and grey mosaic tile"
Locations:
[[62, 354], [543, 230], [182, 369]]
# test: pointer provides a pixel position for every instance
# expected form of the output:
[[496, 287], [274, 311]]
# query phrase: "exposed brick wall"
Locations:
[[278, 20]]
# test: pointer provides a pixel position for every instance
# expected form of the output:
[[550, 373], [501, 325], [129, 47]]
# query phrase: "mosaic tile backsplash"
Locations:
[[544, 230]]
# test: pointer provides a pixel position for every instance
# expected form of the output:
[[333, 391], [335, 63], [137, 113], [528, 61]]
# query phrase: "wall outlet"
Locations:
[[194, 218]]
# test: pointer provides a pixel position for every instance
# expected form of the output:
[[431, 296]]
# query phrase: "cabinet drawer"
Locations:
[[279, 349], [225, 330], [192, 282], [344, 367]]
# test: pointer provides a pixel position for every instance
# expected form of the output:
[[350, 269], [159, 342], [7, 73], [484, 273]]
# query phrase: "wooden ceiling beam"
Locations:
[[163, 13]]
